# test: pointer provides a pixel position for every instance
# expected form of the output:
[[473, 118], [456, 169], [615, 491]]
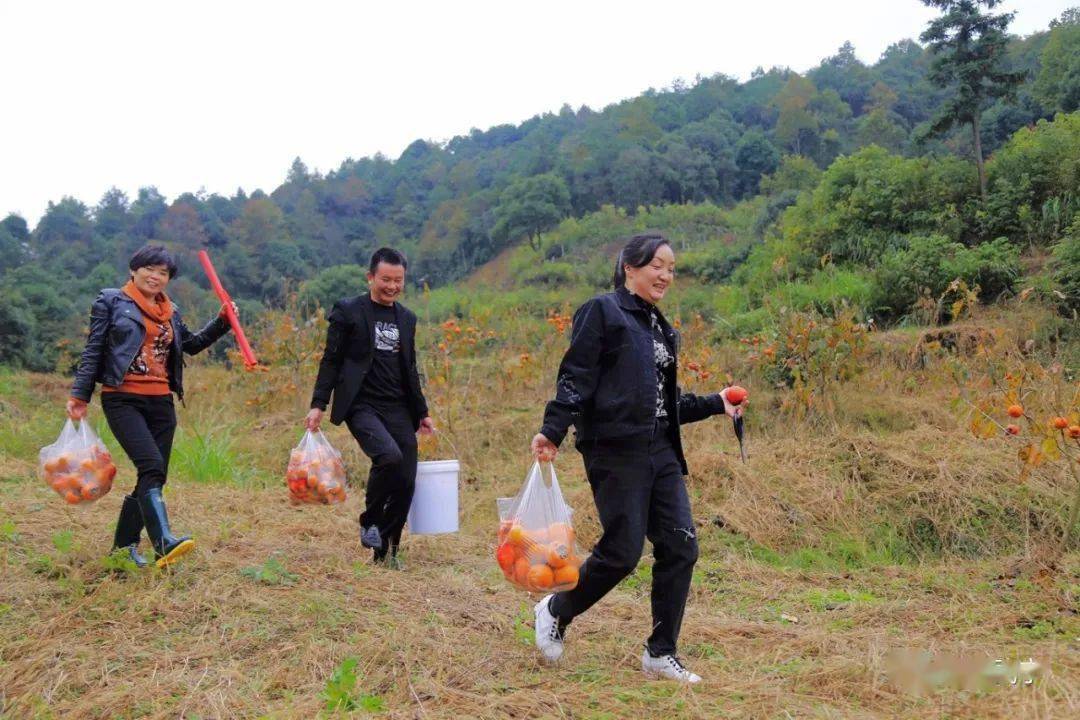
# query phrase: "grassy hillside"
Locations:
[[869, 518]]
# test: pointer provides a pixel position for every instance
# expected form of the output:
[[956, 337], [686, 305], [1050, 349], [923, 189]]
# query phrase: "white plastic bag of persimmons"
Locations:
[[77, 466], [315, 473], [537, 549]]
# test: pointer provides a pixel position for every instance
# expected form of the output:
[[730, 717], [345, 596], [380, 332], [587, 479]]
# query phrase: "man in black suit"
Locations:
[[370, 367]]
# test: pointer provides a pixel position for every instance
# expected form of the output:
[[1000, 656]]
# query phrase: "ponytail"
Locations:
[[619, 278]]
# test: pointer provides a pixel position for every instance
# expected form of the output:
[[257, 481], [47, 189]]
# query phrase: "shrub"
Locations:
[[930, 264]]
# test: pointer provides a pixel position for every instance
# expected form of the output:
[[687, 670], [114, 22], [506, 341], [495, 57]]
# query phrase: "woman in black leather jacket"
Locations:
[[135, 351], [617, 385]]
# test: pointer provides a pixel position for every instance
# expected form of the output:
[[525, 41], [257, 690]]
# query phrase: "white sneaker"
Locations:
[[666, 667], [548, 638]]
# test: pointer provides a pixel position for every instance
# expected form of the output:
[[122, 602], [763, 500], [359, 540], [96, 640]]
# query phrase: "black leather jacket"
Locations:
[[117, 333], [606, 386]]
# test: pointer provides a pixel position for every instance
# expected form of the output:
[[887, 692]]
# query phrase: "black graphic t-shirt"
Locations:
[[665, 363], [384, 382]]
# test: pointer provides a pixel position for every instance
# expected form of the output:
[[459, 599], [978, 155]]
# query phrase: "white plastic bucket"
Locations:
[[434, 507]]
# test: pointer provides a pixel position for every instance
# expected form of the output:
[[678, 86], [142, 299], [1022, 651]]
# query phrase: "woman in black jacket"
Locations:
[[135, 350], [617, 386]]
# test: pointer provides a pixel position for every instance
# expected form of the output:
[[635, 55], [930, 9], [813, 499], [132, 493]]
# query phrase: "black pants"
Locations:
[[144, 426], [386, 435], [639, 492]]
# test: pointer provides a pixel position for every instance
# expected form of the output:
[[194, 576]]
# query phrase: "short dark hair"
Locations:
[[638, 252], [390, 256], [149, 255]]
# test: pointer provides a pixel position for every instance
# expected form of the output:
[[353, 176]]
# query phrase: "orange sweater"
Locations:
[[148, 374]]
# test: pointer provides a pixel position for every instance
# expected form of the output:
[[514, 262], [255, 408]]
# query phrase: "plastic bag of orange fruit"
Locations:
[[315, 473], [537, 549], [77, 466]]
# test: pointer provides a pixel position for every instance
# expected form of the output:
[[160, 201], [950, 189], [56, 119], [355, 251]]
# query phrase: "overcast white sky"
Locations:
[[224, 94]]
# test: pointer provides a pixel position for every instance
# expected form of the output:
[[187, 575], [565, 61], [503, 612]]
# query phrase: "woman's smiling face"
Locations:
[[651, 282], [151, 280]]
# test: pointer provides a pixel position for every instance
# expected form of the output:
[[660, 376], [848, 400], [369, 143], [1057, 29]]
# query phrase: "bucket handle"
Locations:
[[441, 437]]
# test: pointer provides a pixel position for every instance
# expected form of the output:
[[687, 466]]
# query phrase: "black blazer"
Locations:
[[606, 386], [350, 346]]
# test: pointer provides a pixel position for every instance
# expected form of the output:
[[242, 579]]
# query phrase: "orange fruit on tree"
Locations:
[[1074, 431], [1061, 423], [1015, 410], [566, 575], [1013, 429], [540, 576]]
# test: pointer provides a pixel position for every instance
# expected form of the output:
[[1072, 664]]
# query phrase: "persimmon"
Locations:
[[517, 535], [1061, 423], [561, 533], [736, 394], [1015, 410], [51, 465], [63, 462], [540, 576], [521, 571], [90, 491], [72, 498], [1013, 429], [1074, 431], [504, 531], [566, 575], [86, 465], [557, 555], [506, 557], [106, 473]]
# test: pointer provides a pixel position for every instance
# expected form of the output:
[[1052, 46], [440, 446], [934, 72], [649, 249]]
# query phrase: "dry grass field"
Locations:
[[882, 525]]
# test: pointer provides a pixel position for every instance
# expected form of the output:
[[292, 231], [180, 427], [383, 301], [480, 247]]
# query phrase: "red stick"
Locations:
[[245, 349]]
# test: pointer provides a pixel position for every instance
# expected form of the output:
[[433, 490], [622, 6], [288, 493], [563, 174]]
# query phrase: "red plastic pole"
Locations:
[[249, 357]]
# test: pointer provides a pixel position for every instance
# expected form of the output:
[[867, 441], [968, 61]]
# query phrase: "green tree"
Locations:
[[14, 235], [754, 156], [530, 206], [181, 226], [333, 284], [969, 47], [1058, 84], [796, 125]]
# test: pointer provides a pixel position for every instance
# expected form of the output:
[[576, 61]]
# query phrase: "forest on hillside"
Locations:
[[850, 182]]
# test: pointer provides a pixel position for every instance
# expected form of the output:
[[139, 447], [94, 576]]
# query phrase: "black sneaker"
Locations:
[[370, 538]]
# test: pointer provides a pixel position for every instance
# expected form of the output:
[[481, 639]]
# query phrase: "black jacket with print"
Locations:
[[606, 386], [116, 335], [350, 347]]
